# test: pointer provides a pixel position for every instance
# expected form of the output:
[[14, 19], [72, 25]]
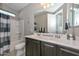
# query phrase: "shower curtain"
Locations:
[[4, 33]]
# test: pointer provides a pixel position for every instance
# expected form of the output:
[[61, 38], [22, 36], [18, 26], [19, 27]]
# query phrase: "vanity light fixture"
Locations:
[[46, 5]]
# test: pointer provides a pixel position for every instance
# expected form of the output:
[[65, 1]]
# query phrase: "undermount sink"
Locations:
[[44, 34]]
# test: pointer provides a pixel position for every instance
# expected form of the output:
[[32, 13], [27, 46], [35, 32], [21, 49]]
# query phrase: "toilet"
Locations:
[[20, 49]]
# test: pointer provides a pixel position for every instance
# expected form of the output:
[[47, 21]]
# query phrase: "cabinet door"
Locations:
[[66, 52], [36, 48], [48, 50], [32, 47], [28, 47]]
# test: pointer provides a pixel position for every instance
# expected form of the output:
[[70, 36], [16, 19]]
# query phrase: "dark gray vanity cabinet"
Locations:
[[48, 49], [32, 47], [41, 48]]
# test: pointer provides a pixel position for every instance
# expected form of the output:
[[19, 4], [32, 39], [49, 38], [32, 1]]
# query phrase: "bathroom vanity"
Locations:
[[42, 45]]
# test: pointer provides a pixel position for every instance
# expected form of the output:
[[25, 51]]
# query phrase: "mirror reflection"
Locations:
[[64, 20], [45, 23], [53, 22]]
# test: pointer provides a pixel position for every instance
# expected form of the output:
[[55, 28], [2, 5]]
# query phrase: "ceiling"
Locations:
[[14, 7], [35, 7]]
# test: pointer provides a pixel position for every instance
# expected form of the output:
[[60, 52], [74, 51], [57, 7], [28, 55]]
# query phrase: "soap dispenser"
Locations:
[[66, 28], [43, 30]]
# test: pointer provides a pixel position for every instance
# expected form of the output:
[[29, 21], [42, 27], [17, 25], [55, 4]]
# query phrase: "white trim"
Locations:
[[7, 13]]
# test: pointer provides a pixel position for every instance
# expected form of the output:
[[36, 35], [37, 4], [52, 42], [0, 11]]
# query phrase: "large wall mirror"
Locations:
[[61, 21]]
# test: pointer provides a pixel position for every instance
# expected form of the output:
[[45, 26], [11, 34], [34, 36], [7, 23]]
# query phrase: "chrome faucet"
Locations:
[[70, 36]]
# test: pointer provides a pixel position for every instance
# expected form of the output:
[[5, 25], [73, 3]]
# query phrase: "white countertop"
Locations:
[[62, 41]]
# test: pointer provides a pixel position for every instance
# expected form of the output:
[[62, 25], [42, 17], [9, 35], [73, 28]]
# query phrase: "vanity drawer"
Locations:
[[48, 49]]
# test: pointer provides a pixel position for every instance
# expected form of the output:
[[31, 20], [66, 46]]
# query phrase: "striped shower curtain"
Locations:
[[4, 33]]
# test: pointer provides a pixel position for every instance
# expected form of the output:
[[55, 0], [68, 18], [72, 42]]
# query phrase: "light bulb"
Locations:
[[46, 5]]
